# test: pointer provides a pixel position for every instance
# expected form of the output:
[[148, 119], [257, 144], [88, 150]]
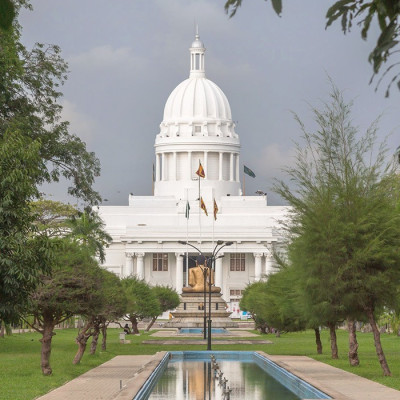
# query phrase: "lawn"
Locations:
[[21, 377]]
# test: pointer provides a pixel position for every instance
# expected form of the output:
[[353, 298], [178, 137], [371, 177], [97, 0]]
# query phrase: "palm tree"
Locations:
[[88, 229]]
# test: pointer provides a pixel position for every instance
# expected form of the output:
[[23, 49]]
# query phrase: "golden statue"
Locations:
[[196, 277]]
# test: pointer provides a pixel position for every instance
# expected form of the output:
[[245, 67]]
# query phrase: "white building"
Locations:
[[197, 126]]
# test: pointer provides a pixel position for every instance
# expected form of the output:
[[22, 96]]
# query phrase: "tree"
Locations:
[[168, 299], [141, 301], [274, 303], [29, 94], [71, 288], [113, 307], [88, 228], [344, 214], [387, 12], [25, 253]]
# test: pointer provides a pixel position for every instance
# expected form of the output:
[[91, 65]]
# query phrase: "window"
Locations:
[[160, 262], [238, 262], [236, 292]]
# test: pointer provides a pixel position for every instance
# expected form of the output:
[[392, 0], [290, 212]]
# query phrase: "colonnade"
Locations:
[[268, 264], [129, 256], [161, 171]]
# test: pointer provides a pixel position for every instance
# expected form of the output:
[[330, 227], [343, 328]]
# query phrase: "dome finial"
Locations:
[[197, 56]]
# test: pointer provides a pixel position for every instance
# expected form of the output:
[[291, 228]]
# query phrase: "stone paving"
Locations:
[[103, 382]]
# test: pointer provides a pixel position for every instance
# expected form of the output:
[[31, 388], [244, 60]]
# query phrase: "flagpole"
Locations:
[[199, 207]]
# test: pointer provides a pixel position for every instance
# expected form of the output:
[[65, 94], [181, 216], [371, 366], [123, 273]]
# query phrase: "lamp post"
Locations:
[[204, 279], [215, 252]]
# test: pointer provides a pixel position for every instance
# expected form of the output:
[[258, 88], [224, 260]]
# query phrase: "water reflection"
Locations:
[[195, 380]]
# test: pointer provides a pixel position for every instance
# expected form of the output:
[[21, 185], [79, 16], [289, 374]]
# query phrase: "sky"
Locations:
[[126, 56]]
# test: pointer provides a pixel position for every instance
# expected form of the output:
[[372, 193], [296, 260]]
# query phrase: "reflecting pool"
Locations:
[[195, 380], [214, 331]]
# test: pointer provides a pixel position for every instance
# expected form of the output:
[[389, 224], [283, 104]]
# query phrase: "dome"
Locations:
[[197, 44], [197, 99]]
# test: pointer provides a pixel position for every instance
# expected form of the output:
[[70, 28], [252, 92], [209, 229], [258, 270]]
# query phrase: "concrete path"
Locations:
[[338, 384], [230, 333], [103, 382]]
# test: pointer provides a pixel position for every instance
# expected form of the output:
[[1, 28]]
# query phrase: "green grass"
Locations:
[[21, 377]]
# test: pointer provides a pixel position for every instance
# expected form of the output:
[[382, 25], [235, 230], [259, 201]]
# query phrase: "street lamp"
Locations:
[[204, 279], [216, 250]]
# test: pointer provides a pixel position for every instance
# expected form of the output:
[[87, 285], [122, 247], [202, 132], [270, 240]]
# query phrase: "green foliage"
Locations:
[[88, 228], [73, 287], [52, 216], [29, 95], [344, 229], [275, 303], [24, 252], [7, 14], [166, 296], [141, 300]]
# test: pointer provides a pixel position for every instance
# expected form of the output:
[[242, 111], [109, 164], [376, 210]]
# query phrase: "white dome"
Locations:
[[195, 100]]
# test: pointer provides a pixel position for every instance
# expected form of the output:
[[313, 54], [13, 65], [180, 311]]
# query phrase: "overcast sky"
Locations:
[[126, 56]]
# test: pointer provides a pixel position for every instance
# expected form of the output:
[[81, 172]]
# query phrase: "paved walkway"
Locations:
[[338, 384], [103, 382]]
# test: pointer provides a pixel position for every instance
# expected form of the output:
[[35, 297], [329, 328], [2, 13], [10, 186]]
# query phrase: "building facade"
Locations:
[[197, 127]]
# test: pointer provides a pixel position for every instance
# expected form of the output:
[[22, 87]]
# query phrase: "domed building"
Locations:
[[197, 131]]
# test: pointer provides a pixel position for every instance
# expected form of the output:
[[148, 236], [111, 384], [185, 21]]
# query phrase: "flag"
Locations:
[[200, 171], [249, 172], [187, 209], [215, 210], [203, 206]]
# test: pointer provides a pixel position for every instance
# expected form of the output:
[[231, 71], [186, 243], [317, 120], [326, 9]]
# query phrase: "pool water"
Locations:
[[195, 380], [218, 331]]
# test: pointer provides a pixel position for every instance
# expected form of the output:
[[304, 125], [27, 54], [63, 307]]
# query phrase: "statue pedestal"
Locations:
[[190, 313]]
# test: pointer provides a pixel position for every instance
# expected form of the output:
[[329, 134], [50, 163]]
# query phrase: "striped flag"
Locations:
[[215, 210], [203, 206], [200, 172]]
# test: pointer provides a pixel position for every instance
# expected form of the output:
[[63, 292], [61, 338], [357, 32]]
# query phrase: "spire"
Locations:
[[197, 51]]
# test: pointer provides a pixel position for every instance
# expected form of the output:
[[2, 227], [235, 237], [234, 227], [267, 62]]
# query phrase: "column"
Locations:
[[206, 162], [257, 266], [179, 272], [218, 271], [140, 265], [174, 166], [237, 168], [157, 167], [231, 167], [189, 169], [128, 264], [269, 262], [221, 158], [163, 166]]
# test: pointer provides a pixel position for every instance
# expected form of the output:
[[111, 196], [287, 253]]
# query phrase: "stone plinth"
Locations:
[[190, 312]]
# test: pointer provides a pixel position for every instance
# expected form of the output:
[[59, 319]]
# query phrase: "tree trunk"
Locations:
[[332, 332], [318, 340], [47, 335], [95, 339], [2, 329], [134, 322], [377, 341], [353, 345], [104, 334], [81, 341], [150, 324]]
